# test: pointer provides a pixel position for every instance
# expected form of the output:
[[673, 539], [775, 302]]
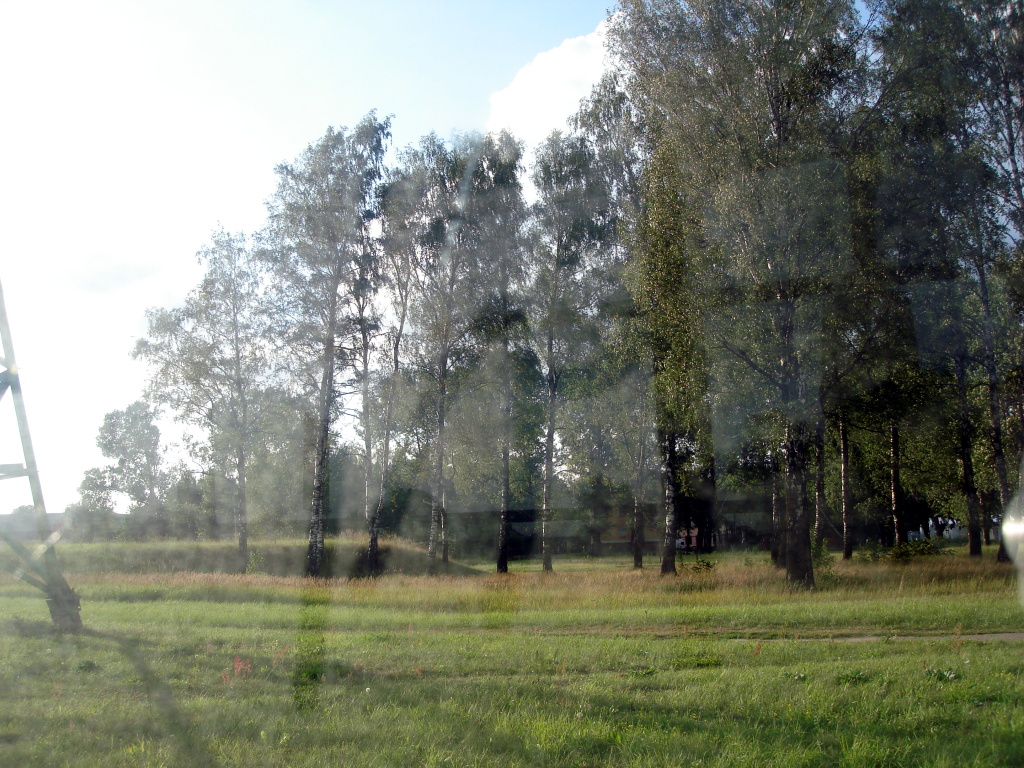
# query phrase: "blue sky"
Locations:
[[132, 129]]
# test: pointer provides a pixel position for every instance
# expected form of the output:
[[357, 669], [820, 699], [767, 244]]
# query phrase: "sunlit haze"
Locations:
[[133, 129]]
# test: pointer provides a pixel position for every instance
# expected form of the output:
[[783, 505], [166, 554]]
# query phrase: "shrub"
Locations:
[[257, 561], [821, 558], [907, 551], [823, 562], [870, 551], [826, 578]]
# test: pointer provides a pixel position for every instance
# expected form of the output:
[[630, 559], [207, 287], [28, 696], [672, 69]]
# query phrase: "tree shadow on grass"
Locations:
[[191, 750], [190, 747]]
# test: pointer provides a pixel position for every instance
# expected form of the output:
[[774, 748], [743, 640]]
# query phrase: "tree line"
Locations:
[[777, 257]]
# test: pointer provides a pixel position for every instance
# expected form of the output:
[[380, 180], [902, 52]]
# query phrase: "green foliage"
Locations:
[[942, 675], [902, 553], [769, 214], [700, 565], [131, 438], [855, 677], [822, 558], [825, 576], [257, 562], [870, 551]]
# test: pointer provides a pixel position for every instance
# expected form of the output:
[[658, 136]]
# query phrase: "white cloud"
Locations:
[[545, 92]]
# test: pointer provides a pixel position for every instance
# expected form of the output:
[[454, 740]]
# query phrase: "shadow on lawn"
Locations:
[[191, 748]]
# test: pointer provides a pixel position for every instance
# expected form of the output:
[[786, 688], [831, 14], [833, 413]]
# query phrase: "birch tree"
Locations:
[[321, 238], [208, 362], [572, 222]]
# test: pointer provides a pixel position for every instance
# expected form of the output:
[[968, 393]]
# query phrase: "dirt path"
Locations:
[[1009, 636]]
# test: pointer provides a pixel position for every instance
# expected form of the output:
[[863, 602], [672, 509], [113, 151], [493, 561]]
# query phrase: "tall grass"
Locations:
[[742, 595], [601, 666], [343, 557]]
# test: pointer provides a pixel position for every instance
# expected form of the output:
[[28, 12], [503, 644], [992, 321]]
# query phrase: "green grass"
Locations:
[[584, 667]]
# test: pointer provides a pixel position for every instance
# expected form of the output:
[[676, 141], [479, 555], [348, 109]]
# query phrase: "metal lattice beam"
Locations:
[[40, 567]]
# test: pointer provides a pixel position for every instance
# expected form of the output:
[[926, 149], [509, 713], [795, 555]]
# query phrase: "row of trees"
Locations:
[[830, 238], [388, 309], [779, 254]]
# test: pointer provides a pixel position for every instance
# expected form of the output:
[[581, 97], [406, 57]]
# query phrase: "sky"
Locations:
[[131, 130]]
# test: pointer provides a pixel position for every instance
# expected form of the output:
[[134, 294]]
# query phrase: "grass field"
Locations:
[[593, 665]]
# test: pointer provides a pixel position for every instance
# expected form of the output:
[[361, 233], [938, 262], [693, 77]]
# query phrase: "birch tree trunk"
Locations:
[[321, 451], [670, 493]]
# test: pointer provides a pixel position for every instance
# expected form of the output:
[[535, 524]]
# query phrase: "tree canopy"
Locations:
[[771, 271]]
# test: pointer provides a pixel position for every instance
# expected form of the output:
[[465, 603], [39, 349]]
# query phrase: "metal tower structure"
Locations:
[[38, 567]]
